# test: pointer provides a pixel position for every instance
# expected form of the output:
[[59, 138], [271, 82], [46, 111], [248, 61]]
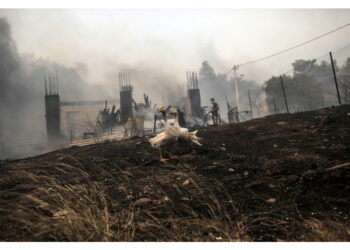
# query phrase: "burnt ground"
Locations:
[[284, 177]]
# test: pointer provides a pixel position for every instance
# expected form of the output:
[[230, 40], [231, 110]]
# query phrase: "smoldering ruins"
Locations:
[[48, 106], [76, 158], [89, 109], [44, 104]]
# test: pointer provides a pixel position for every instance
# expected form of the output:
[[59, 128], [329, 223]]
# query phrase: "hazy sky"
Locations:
[[175, 40]]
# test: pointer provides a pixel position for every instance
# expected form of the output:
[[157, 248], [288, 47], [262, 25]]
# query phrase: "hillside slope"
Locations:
[[284, 177]]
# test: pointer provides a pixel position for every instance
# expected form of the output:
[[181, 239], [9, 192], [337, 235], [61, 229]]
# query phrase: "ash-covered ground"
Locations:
[[284, 177]]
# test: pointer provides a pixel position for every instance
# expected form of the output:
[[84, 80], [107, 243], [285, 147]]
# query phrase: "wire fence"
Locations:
[[307, 84], [279, 83]]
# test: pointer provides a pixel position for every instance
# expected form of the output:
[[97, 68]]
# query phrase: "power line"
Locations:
[[294, 47], [341, 49], [317, 58]]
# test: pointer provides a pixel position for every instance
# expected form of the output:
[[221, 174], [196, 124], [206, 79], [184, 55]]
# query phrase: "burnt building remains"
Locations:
[[107, 119], [193, 94], [125, 91], [52, 108]]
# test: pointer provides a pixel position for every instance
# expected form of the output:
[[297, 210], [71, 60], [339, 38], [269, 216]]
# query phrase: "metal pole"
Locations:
[[192, 80], [335, 78], [228, 110], [195, 80], [154, 123], [284, 94], [49, 83], [250, 102], [187, 80], [236, 86], [45, 85], [56, 83]]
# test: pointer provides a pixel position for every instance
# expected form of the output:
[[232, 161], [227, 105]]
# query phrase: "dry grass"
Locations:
[[251, 191], [326, 230], [63, 201]]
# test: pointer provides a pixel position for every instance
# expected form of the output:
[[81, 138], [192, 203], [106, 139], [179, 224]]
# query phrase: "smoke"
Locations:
[[88, 48], [9, 67], [22, 88], [22, 85], [151, 80], [221, 87], [22, 91], [9, 62]]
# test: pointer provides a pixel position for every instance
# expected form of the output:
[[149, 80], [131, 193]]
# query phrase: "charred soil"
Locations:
[[284, 177]]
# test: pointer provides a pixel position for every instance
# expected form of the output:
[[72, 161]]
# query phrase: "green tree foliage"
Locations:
[[274, 93], [310, 87], [220, 85], [303, 66], [344, 81]]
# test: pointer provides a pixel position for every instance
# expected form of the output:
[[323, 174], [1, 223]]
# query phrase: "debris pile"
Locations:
[[284, 177]]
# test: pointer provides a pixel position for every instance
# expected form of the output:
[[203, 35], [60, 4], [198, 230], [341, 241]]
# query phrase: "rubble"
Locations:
[[252, 191]]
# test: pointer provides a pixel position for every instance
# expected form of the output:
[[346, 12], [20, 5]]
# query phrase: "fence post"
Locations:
[[154, 123], [335, 78], [284, 94], [250, 102]]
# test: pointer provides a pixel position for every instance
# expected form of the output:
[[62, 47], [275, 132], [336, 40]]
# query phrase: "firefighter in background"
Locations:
[[214, 111]]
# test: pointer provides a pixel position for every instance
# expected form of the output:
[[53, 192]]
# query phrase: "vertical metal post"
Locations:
[[250, 102], [188, 86], [228, 109], [50, 84], [154, 123], [193, 81], [120, 89], [235, 67], [56, 83], [45, 85], [284, 94], [335, 78]]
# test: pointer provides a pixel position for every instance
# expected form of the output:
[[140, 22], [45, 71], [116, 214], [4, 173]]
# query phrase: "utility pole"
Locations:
[[235, 68], [284, 94], [250, 102], [335, 78], [228, 111]]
